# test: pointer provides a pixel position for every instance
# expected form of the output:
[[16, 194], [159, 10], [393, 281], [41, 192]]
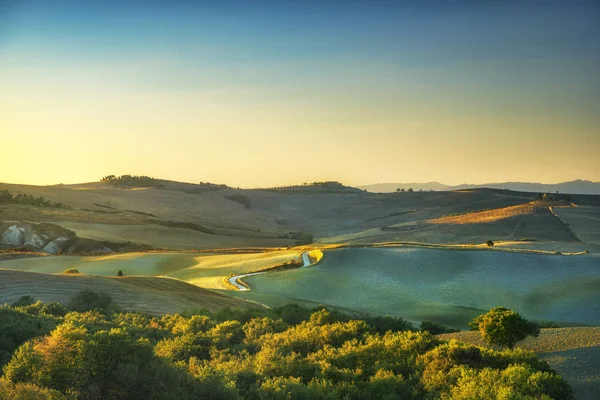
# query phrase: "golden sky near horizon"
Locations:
[[78, 137], [279, 95], [85, 133]]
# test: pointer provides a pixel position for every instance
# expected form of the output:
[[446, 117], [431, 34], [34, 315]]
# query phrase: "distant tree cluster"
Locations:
[[133, 181], [28, 199], [209, 185], [315, 187], [402, 190], [290, 352]]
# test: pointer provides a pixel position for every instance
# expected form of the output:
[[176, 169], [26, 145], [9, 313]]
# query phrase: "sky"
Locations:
[[268, 93]]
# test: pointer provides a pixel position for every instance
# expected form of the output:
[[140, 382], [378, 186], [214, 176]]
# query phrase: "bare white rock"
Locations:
[[34, 240], [13, 236], [56, 245]]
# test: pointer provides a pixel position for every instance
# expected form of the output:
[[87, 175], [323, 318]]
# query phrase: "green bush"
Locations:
[[27, 391], [71, 271], [288, 352], [435, 328], [88, 300], [504, 327], [23, 301], [16, 327]]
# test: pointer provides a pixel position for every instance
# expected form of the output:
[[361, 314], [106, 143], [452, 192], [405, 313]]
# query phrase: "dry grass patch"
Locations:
[[486, 216]]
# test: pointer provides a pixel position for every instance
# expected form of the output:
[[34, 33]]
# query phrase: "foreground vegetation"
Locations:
[[50, 351]]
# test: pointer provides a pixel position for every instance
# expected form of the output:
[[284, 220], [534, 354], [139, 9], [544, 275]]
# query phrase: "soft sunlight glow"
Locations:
[[290, 95]]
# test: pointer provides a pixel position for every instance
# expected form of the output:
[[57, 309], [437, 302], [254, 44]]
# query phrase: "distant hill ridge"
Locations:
[[575, 187]]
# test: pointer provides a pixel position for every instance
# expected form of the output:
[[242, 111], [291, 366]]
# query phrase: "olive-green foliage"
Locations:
[[435, 328], [27, 391], [28, 199], [501, 326], [87, 300], [284, 353], [17, 326], [105, 364], [23, 301], [41, 308]]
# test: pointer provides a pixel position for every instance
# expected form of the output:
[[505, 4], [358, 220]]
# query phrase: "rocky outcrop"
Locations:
[[13, 236], [55, 246], [48, 238]]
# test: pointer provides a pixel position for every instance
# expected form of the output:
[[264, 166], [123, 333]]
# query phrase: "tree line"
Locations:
[[138, 181], [91, 349], [6, 197]]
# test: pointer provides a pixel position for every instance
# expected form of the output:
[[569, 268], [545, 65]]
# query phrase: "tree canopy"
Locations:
[[504, 327], [287, 352]]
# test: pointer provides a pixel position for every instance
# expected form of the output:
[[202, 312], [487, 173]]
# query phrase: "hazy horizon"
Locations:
[[309, 181], [284, 92]]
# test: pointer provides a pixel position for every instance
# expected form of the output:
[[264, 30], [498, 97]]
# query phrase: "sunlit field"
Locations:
[[205, 270], [449, 286]]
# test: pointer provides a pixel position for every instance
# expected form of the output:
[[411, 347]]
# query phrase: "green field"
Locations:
[[202, 269], [448, 286]]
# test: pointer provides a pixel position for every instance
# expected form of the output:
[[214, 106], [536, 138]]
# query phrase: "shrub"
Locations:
[[490, 243], [325, 355], [16, 327], [71, 271], [120, 273], [27, 391], [23, 301], [86, 300], [435, 328], [105, 364], [501, 326]]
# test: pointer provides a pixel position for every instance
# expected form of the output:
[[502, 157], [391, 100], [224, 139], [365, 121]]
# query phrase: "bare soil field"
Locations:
[[150, 295], [572, 352]]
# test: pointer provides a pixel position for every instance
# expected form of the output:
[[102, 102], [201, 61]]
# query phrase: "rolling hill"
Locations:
[[575, 187], [151, 295]]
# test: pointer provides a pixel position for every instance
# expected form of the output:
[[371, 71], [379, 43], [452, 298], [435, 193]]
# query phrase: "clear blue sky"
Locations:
[[291, 91]]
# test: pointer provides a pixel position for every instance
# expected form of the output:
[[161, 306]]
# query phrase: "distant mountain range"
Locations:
[[575, 187]]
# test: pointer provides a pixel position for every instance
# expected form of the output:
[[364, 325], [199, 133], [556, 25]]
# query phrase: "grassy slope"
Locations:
[[573, 352], [509, 223], [102, 204], [340, 214], [584, 220], [448, 286], [146, 294], [332, 217], [163, 237], [202, 269]]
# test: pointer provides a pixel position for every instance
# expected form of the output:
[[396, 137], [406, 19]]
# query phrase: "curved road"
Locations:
[[234, 279]]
